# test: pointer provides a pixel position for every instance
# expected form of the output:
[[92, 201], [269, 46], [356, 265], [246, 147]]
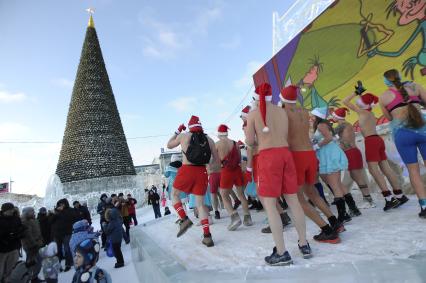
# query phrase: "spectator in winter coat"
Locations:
[[62, 222], [82, 212], [114, 231], [11, 233], [123, 206], [50, 264], [33, 239], [132, 208], [154, 200], [86, 256], [45, 227], [101, 211], [81, 230]]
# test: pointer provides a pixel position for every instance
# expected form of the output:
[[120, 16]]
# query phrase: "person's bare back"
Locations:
[[277, 121], [346, 135], [224, 147], [367, 123], [298, 128]]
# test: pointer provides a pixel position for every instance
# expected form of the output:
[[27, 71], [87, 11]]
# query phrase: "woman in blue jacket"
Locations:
[[114, 233]]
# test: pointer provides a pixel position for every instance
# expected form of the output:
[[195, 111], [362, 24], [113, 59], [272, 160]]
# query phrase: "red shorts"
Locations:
[[306, 163], [254, 165], [192, 180], [214, 181], [374, 149], [277, 173], [354, 158], [231, 177]]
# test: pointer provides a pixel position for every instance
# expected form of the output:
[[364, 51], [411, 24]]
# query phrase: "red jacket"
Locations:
[[132, 206]]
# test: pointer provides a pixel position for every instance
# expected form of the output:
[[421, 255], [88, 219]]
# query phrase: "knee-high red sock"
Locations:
[[179, 209], [205, 225]]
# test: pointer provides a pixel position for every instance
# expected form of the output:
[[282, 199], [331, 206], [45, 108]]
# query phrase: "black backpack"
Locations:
[[198, 152]]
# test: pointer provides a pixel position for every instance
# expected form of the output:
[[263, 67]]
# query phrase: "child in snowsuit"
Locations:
[[86, 256], [81, 230], [50, 264]]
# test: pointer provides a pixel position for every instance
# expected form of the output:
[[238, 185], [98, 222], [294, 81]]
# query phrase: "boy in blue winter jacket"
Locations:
[[86, 256], [81, 230], [113, 229]]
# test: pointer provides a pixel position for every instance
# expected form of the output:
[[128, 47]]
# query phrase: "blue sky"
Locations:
[[166, 60]]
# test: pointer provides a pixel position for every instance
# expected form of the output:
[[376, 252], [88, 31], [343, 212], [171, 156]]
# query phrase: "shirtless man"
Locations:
[[375, 147], [306, 163], [355, 163], [230, 176], [277, 173], [192, 176], [213, 169], [252, 172]]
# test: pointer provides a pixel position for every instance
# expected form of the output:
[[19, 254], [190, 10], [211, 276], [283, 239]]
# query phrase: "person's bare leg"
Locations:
[[333, 179], [416, 180], [373, 168], [243, 199], [202, 209], [225, 193], [175, 196], [309, 210], [215, 201], [298, 217], [390, 174], [359, 178], [233, 195], [275, 223], [312, 193], [279, 208]]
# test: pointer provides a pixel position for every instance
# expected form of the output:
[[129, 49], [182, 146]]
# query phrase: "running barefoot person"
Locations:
[[401, 105], [277, 173], [192, 176], [355, 163], [375, 147], [213, 170], [332, 161], [306, 163], [230, 176]]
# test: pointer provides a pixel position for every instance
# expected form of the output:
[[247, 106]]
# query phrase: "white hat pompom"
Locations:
[[265, 130]]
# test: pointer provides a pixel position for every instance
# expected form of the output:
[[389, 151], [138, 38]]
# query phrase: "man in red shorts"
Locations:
[[192, 176], [306, 163], [230, 176], [355, 167], [268, 124], [375, 148]]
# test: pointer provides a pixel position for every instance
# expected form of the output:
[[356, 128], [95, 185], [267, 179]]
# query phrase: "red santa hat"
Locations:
[[289, 94], [222, 130], [263, 94], [367, 101], [245, 111], [340, 113], [194, 124]]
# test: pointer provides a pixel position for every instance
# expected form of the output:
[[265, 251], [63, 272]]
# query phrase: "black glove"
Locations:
[[359, 88]]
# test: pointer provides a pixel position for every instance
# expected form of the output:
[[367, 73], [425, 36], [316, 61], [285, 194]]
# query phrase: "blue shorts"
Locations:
[[407, 141]]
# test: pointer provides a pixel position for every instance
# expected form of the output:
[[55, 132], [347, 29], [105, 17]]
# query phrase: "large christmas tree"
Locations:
[[94, 144]]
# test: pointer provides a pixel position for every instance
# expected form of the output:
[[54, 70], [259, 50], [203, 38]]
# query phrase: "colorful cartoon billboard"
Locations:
[[351, 40]]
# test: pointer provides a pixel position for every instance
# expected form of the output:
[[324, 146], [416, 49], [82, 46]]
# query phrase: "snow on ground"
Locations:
[[374, 235]]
